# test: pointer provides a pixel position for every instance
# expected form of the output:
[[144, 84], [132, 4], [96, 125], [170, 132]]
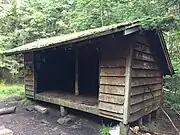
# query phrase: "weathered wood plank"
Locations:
[[118, 81], [119, 90], [144, 89], [137, 107], [135, 116], [115, 115], [112, 72], [28, 82], [110, 63], [30, 93], [116, 99], [29, 77], [145, 73], [145, 81], [137, 64], [143, 97], [142, 48], [110, 116], [143, 56], [111, 107], [29, 87]]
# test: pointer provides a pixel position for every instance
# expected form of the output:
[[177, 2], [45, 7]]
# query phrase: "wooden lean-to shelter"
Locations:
[[110, 71]]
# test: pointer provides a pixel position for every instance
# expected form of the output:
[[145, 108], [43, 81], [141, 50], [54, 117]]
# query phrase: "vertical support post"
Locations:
[[140, 121], [63, 111], [127, 85], [76, 73], [124, 129], [34, 73]]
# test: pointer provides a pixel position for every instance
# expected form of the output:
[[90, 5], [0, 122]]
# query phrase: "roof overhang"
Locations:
[[127, 28]]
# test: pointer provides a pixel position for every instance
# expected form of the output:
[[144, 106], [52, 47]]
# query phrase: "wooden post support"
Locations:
[[140, 122], [124, 129], [63, 111], [127, 85], [76, 73]]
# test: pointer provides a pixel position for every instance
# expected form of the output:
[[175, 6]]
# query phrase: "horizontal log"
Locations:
[[143, 56], [7, 110], [107, 113], [29, 77], [142, 48], [145, 73], [110, 63], [110, 117], [116, 99], [137, 64], [145, 81], [145, 88], [135, 116], [30, 93], [118, 81], [143, 97], [118, 90], [112, 72], [137, 107], [111, 107], [29, 87]]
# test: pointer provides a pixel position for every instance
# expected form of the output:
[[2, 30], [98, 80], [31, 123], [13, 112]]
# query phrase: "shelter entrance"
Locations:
[[60, 70]]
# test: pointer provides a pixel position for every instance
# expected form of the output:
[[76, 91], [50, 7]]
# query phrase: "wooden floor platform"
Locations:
[[82, 103]]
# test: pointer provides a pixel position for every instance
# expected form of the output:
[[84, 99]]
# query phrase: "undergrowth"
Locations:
[[8, 90], [104, 130]]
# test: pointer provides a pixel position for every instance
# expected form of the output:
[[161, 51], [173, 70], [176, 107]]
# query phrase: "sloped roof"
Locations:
[[126, 28], [71, 38]]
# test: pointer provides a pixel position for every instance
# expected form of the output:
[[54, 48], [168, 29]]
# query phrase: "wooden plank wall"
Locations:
[[29, 75], [112, 82], [145, 74]]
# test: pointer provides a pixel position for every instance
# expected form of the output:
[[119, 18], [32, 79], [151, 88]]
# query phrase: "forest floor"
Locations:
[[24, 122]]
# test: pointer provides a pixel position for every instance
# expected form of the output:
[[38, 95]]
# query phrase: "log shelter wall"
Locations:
[[112, 80], [29, 75], [146, 77]]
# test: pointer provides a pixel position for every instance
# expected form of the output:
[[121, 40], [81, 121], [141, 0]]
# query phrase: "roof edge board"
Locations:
[[167, 57]]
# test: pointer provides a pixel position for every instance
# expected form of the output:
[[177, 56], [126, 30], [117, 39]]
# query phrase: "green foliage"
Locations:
[[172, 91], [11, 89], [104, 130]]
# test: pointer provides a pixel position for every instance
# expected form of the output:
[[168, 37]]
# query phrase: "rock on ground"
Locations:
[[66, 120], [5, 131], [40, 109]]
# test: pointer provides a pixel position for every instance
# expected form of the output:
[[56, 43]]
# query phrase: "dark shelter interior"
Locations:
[[55, 71]]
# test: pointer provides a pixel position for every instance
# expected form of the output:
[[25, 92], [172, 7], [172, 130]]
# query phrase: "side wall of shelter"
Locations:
[[146, 77], [112, 79], [29, 76]]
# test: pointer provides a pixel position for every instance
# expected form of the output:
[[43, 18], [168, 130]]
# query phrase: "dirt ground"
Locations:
[[33, 123], [162, 125], [24, 122]]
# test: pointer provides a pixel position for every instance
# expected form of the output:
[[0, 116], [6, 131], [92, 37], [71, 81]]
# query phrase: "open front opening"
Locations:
[[56, 73]]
